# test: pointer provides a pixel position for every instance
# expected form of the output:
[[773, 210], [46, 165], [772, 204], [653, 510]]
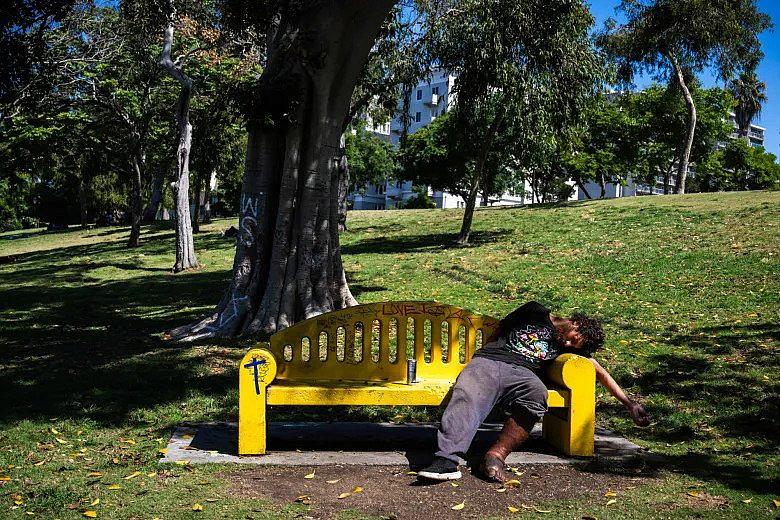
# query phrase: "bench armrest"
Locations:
[[572, 371], [257, 369]]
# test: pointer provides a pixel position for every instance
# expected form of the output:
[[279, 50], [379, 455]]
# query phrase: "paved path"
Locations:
[[379, 444]]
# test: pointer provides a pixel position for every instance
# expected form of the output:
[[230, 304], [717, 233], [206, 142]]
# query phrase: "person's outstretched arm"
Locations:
[[636, 410]]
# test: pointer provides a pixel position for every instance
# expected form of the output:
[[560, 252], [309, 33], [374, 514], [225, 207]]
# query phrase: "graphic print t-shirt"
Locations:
[[530, 343]]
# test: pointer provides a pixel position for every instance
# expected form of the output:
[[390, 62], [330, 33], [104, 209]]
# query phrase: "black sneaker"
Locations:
[[441, 469]]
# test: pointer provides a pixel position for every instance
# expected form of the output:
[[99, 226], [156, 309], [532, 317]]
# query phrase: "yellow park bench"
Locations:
[[366, 355]]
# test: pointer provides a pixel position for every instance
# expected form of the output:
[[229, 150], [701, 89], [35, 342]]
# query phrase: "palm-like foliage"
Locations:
[[749, 95]]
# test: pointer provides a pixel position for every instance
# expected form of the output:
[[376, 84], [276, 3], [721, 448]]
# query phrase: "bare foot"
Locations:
[[492, 468]]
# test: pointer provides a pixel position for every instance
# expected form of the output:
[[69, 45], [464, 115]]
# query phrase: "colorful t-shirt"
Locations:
[[529, 343]]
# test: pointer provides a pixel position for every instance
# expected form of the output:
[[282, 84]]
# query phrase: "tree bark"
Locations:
[[468, 215], [687, 144], [150, 213], [197, 197], [581, 186], [287, 264], [602, 185], [135, 199], [185, 248], [343, 188], [479, 173]]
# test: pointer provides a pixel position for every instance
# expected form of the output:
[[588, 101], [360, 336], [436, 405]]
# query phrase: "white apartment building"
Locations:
[[429, 99]]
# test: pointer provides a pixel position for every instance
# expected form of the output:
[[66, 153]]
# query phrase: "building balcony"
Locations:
[[433, 101]]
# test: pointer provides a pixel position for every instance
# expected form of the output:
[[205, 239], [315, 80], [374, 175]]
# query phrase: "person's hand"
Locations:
[[638, 414]]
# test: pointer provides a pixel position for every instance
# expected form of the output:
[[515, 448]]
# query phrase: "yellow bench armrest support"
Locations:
[[255, 373], [571, 429]]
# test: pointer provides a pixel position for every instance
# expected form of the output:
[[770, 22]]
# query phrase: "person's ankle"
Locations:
[[497, 452]]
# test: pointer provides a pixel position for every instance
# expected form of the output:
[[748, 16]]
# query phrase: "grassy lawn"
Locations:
[[689, 289]]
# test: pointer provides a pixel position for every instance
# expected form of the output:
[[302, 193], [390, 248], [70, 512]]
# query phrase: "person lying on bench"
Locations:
[[505, 373]]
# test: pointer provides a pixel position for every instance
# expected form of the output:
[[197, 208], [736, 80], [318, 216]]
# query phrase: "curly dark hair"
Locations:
[[591, 330]]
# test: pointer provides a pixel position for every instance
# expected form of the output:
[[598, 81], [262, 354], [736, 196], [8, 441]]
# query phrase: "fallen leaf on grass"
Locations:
[[132, 475], [542, 510], [4, 478], [115, 460], [304, 499], [332, 481], [197, 507], [747, 500], [212, 499], [693, 493], [90, 514], [163, 451], [454, 484], [610, 502], [127, 441], [458, 507], [39, 463], [513, 509], [776, 502], [357, 489], [114, 486], [95, 502], [610, 494], [310, 475], [510, 483], [55, 432], [411, 473], [19, 502], [94, 474], [151, 475], [344, 495], [61, 441], [182, 462]]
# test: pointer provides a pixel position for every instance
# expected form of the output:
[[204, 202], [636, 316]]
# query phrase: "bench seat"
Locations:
[[358, 393]]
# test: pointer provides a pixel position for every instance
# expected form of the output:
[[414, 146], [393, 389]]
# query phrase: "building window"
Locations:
[[417, 117], [419, 94], [435, 90]]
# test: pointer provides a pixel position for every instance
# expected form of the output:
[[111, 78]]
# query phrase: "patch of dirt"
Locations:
[[390, 492], [703, 500]]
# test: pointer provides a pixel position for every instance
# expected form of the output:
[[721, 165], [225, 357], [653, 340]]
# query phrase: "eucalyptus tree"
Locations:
[[681, 38], [185, 247], [749, 95]]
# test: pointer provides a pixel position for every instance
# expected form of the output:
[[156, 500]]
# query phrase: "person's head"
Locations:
[[579, 333]]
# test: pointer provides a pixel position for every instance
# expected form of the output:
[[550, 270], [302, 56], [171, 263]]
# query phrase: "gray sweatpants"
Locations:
[[483, 384]]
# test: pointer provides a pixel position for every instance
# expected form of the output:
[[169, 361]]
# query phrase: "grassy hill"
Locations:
[[688, 287]]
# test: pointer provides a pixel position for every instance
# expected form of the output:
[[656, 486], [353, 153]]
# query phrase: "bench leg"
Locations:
[[571, 430], [257, 369]]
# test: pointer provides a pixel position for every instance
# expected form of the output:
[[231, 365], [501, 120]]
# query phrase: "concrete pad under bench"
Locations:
[[379, 444]]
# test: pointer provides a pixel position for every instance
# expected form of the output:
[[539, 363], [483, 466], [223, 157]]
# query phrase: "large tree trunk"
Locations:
[[196, 203], [185, 248], [287, 265], [135, 200], [687, 144], [150, 213]]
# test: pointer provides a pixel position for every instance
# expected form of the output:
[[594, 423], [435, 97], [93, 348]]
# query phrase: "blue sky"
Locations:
[[769, 71]]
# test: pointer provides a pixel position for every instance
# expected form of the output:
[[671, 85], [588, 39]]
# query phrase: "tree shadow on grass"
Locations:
[[78, 345], [712, 383], [425, 243]]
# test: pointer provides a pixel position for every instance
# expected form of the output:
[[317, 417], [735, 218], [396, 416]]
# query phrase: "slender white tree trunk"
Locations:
[[685, 152], [185, 248]]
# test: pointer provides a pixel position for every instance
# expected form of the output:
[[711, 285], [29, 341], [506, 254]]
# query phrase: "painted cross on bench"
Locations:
[[259, 373]]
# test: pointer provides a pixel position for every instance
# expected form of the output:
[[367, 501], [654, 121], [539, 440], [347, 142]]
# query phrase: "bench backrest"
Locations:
[[372, 342]]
